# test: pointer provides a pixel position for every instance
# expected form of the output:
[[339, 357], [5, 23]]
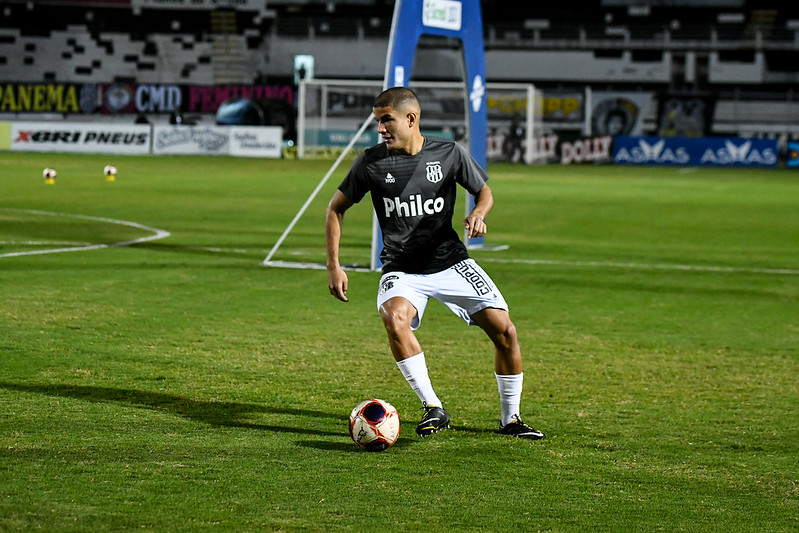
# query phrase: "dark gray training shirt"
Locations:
[[414, 197]]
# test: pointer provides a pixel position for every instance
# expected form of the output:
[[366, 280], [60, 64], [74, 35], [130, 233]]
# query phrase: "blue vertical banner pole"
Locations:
[[460, 19]]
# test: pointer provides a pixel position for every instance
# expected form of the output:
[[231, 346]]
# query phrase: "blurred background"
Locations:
[[664, 67]]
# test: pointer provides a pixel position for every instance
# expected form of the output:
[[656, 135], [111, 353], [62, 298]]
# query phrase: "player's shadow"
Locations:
[[227, 414], [349, 446]]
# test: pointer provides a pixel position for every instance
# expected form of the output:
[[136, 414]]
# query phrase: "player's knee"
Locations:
[[504, 336], [395, 318]]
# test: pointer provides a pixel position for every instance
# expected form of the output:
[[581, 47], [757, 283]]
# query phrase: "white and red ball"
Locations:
[[49, 173], [374, 425], [110, 171]]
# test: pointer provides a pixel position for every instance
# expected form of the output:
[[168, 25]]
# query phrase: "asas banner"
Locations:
[[710, 151]]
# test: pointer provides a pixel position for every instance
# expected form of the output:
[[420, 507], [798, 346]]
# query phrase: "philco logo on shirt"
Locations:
[[416, 206]]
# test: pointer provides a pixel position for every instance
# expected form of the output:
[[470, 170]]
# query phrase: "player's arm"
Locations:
[[475, 223], [337, 278]]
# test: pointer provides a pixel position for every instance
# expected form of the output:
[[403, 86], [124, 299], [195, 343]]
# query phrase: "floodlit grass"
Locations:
[[176, 385]]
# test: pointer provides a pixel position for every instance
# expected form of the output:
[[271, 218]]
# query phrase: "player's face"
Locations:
[[395, 128]]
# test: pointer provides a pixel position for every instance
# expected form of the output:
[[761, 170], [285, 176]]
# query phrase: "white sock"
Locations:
[[510, 395], [414, 369]]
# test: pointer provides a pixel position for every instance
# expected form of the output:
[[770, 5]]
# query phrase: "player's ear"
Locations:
[[412, 118]]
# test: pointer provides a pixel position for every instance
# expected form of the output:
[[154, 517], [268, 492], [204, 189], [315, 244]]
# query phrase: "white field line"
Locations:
[[586, 264], [310, 266], [647, 266], [157, 233], [160, 234], [44, 243], [217, 250]]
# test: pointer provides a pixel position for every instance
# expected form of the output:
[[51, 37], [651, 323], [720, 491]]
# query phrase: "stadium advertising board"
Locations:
[[709, 151], [130, 98], [553, 148], [618, 113], [140, 98], [80, 138], [208, 5], [207, 99], [240, 141], [341, 137], [684, 116], [62, 98], [792, 155], [566, 107], [591, 150], [544, 149], [256, 141], [5, 135], [191, 140]]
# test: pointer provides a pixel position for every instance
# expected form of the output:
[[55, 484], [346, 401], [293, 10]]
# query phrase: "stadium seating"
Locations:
[[739, 53]]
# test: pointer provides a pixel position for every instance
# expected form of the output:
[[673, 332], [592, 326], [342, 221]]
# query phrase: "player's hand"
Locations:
[[338, 283], [475, 226]]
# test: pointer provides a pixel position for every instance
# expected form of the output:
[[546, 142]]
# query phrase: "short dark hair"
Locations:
[[396, 97]]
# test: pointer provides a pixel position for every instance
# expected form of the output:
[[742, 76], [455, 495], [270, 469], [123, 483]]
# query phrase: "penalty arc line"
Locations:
[[157, 233]]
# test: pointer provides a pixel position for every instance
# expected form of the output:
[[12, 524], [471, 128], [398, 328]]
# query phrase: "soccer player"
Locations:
[[412, 180]]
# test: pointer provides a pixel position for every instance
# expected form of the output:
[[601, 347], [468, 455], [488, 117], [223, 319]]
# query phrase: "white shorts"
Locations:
[[464, 288]]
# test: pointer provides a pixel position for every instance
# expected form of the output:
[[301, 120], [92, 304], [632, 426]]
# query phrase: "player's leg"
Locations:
[[401, 303], [507, 369], [471, 294], [398, 314], [500, 329]]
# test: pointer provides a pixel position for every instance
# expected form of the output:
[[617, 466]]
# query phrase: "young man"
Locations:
[[412, 180]]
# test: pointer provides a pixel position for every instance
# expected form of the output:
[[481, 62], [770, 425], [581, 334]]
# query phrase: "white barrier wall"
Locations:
[[191, 140], [136, 139], [256, 141]]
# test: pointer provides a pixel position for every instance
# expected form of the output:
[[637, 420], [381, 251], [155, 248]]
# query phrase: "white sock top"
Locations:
[[510, 395], [414, 369]]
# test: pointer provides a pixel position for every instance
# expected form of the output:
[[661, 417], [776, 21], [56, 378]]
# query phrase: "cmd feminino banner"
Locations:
[[710, 151]]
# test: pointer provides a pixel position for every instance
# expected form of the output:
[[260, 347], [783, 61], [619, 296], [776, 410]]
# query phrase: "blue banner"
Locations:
[[459, 19], [707, 151], [792, 156]]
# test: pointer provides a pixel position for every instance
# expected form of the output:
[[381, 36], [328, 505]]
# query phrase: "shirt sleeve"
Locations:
[[470, 175], [356, 184]]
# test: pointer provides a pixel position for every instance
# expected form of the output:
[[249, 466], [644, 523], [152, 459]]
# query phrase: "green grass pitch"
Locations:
[[174, 384]]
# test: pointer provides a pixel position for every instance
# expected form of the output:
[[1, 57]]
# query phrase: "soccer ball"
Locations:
[[49, 173], [110, 171], [374, 425]]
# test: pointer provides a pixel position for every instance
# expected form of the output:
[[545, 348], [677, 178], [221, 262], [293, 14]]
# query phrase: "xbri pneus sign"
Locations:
[[82, 138]]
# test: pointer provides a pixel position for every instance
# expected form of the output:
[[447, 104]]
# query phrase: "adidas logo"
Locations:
[[389, 178]]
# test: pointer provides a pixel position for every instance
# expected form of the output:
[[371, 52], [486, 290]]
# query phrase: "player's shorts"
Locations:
[[464, 288]]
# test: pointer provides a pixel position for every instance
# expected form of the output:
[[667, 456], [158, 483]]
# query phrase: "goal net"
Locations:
[[334, 121], [330, 111]]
